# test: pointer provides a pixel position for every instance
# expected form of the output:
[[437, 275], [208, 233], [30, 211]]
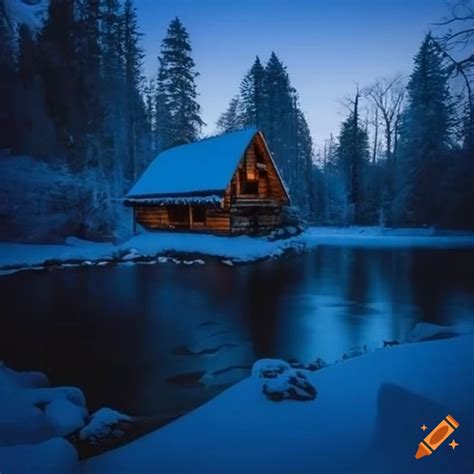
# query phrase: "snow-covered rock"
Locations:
[[267, 368], [291, 384], [102, 423], [311, 366]]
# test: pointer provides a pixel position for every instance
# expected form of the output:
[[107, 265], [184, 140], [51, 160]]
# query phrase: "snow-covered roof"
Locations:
[[201, 168]]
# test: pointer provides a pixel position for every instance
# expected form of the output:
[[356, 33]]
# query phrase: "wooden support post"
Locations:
[[190, 217], [134, 221]]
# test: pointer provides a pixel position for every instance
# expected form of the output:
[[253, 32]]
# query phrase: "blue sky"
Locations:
[[328, 46]]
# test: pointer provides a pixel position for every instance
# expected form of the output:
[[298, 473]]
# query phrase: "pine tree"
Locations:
[[177, 107], [251, 102], [230, 120], [7, 81], [425, 137], [163, 118], [267, 101], [37, 132], [57, 44], [137, 124], [353, 154]]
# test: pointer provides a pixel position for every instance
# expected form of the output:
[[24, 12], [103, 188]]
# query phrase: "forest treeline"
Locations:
[[73, 97]]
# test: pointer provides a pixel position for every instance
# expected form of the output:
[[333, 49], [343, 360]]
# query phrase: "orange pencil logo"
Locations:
[[436, 437]]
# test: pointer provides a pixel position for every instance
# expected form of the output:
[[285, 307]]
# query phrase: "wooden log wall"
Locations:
[[152, 217], [157, 217], [270, 189], [255, 220]]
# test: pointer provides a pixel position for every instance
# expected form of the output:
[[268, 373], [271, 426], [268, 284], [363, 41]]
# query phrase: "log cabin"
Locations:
[[227, 184]]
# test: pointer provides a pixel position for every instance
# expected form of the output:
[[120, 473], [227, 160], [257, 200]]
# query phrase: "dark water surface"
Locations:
[[160, 339]]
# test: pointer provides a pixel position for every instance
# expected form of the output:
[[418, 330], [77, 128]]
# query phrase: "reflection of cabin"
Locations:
[[226, 184]]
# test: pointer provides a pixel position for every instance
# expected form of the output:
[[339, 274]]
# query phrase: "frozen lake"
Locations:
[[161, 339]]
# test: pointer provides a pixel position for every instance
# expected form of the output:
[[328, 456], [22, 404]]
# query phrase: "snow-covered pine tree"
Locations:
[[425, 138], [230, 120], [177, 105], [304, 175], [251, 103], [113, 142], [138, 127], [277, 115], [163, 119]]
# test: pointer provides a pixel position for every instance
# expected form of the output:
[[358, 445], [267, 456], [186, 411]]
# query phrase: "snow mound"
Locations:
[[102, 423], [429, 331], [31, 413], [55, 456]]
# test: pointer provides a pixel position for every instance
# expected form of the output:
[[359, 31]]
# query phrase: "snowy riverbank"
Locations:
[[147, 246], [366, 418]]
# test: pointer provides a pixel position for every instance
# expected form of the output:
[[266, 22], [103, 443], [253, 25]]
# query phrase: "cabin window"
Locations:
[[178, 214], [199, 214], [248, 186]]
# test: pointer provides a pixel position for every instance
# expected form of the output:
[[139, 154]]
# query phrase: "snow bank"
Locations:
[[229, 249], [365, 419], [55, 456], [379, 237], [33, 417], [30, 412]]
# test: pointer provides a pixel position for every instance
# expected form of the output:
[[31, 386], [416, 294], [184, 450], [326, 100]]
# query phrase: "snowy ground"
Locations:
[[14, 256], [366, 418]]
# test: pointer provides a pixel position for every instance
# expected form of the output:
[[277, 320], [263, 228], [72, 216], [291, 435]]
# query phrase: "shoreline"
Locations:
[[189, 249]]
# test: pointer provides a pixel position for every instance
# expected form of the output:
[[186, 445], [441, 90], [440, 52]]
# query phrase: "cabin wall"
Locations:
[[160, 218], [255, 220], [256, 164]]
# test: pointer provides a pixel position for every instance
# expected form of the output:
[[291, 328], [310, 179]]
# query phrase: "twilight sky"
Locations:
[[328, 46]]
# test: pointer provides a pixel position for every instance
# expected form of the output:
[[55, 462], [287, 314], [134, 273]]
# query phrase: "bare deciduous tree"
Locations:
[[388, 94], [456, 43]]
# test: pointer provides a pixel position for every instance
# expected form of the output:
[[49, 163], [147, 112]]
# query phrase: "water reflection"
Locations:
[[163, 338]]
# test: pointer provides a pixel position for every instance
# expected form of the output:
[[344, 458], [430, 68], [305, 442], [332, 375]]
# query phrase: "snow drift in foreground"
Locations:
[[365, 419], [231, 249]]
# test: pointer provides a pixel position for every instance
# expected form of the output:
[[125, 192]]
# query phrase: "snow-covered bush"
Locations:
[[291, 217], [41, 203]]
